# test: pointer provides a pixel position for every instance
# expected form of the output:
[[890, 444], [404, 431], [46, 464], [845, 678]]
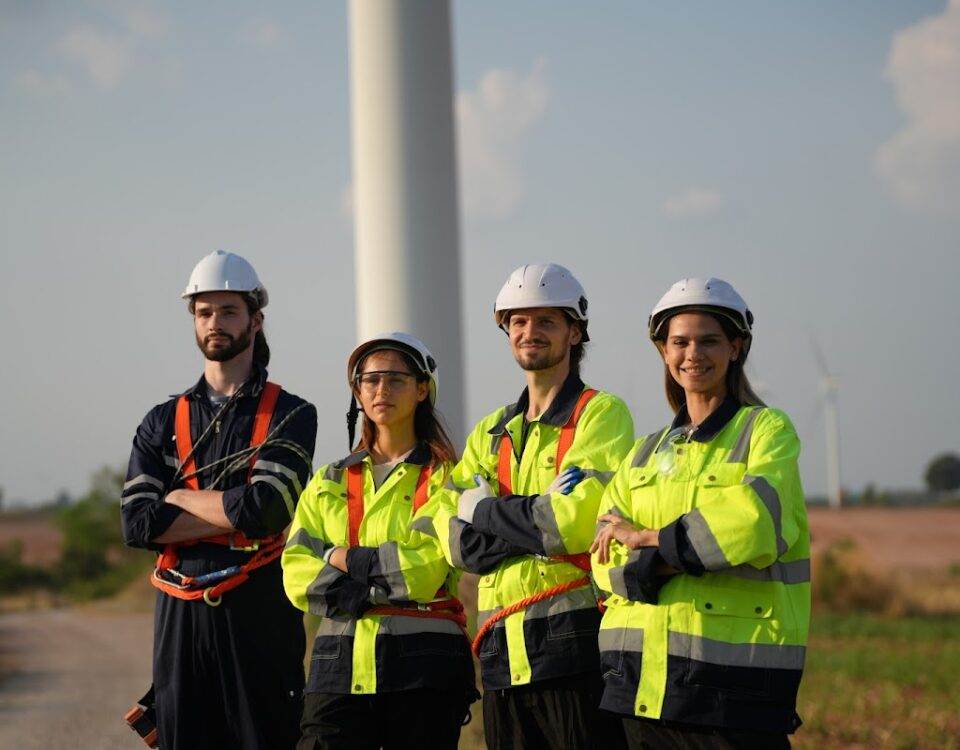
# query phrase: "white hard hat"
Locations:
[[709, 295], [403, 343], [542, 285], [225, 272]]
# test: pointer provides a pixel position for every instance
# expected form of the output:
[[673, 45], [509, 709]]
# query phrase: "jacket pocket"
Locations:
[[573, 615], [642, 477], [747, 604], [721, 475], [724, 657], [611, 652], [329, 638], [752, 682]]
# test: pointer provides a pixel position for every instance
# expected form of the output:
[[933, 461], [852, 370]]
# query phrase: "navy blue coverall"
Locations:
[[232, 675]]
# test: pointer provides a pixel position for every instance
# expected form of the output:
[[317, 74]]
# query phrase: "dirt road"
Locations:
[[67, 677]]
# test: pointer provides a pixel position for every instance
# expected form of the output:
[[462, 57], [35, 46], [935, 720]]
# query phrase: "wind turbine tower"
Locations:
[[404, 182]]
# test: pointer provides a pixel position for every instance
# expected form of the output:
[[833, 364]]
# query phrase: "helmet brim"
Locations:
[[656, 325], [500, 317], [378, 345]]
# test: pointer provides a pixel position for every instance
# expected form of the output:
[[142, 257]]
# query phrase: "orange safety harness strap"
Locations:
[[267, 550], [504, 478], [447, 607], [355, 498], [181, 430]]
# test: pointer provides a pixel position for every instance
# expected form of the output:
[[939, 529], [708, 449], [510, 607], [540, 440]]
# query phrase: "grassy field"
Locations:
[[879, 682], [884, 650], [871, 682]]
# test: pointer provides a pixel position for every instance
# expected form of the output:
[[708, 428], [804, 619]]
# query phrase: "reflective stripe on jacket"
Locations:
[[723, 643], [512, 538], [394, 564]]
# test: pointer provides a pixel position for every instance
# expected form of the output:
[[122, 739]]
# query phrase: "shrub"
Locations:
[[14, 574], [843, 583]]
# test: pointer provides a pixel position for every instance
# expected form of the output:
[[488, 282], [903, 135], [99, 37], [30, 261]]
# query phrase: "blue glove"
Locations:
[[470, 498], [566, 480]]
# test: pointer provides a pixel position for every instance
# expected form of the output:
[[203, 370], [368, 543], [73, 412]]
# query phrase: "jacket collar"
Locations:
[[253, 386], [420, 456], [711, 426], [557, 414]]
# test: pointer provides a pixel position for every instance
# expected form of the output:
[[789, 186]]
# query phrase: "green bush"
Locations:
[[14, 574], [93, 562]]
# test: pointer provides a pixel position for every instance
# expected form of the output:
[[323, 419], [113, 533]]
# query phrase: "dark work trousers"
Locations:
[[421, 718], [230, 676], [644, 734], [559, 714]]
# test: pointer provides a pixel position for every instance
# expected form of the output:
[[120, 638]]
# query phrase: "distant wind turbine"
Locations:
[[829, 388]]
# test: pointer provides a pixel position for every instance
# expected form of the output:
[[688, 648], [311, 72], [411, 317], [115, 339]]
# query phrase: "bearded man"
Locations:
[[213, 481], [522, 513]]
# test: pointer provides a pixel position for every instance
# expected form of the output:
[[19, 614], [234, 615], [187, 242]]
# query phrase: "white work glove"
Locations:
[[566, 480], [470, 498]]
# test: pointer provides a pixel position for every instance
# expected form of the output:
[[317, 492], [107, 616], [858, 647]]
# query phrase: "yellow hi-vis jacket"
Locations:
[[513, 537], [394, 565], [722, 644]]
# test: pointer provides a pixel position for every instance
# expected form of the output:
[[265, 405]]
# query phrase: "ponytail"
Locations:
[[261, 351]]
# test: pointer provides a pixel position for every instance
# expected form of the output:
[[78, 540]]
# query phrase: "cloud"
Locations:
[[693, 203], [493, 121], [40, 84], [104, 52], [921, 163], [104, 56], [261, 34], [140, 19]]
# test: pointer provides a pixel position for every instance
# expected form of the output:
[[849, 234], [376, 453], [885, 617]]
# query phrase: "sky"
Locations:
[[809, 153]]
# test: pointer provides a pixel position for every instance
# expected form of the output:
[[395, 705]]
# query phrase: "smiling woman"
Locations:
[[704, 347], [703, 547]]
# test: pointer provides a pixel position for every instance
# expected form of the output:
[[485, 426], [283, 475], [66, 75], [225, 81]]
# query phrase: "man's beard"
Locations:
[[539, 361], [225, 354]]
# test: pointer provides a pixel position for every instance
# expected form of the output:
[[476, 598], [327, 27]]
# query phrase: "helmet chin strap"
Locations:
[[352, 414]]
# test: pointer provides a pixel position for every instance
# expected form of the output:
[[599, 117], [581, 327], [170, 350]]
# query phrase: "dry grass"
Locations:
[[846, 581]]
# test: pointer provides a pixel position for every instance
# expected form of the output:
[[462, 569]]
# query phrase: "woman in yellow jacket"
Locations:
[[703, 547], [390, 665]]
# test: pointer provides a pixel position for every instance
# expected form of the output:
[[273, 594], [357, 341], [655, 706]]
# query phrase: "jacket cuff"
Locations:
[[676, 550], [232, 504], [640, 577], [481, 515], [353, 597], [360, 563], [162, 517]]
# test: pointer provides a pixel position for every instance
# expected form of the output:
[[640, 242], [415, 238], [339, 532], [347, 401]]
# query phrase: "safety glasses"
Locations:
[[393, 380]]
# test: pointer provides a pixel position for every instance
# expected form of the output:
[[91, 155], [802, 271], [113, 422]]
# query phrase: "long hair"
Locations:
[[738, 384], [427, 425], [261, 351], [577, 351]]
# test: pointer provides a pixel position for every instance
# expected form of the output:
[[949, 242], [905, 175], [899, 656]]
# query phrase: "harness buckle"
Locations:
[[252, 547]]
